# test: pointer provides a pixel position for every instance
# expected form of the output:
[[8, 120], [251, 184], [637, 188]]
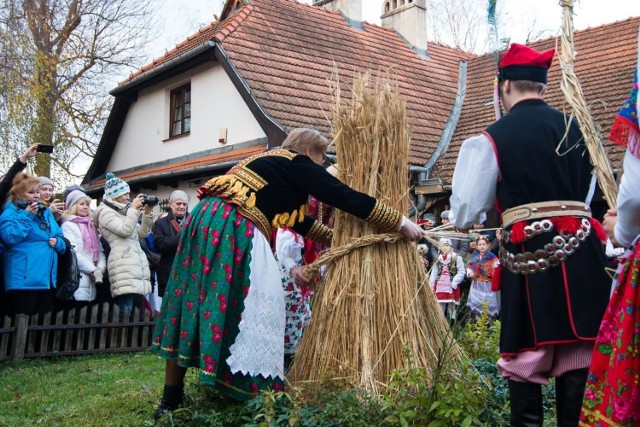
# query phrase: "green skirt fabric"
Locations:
[[204, 299]]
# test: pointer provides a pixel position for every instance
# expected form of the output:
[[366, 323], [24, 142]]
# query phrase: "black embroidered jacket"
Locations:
[[272, 190]]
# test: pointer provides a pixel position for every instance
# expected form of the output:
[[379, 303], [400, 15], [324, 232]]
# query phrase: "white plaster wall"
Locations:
[[215, 104]]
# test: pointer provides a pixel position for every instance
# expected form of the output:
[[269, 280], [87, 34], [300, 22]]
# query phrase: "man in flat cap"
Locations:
[[533, 165]]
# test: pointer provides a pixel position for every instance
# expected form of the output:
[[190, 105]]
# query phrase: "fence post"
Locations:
[[20, 337]]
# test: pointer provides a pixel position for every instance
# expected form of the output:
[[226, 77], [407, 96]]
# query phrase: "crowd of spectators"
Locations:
[[118, 257]]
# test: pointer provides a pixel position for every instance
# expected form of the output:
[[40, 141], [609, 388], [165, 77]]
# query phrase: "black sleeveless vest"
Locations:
[[542, 157]]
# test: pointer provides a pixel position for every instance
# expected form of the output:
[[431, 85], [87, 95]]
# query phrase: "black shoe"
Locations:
[[171, 400], [569, 393], [526, 404]]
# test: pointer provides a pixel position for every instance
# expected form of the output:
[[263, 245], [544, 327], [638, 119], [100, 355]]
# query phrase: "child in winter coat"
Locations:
[[446, 275], [82, 234], [480, 270]]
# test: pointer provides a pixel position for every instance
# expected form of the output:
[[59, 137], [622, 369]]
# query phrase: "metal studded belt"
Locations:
[[553, 254], [549, 209]]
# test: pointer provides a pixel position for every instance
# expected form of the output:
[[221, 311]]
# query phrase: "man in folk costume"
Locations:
[[534, 166]]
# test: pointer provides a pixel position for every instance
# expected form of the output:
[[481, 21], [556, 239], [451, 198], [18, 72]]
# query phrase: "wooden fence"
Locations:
[[89, 330]]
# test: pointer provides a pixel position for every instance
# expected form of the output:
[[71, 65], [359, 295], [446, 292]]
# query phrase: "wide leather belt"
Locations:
[[549, 209]]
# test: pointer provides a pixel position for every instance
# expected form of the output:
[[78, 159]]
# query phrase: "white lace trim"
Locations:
[[259, 346]]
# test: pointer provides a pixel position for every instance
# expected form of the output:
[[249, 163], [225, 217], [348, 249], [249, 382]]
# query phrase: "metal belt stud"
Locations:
[[528, 231], [559, 241], [546, 225], [553, 254], [543, 264], [573, 241]]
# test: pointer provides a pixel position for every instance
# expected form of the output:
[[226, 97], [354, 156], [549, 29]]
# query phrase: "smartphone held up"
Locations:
[[44, 148]]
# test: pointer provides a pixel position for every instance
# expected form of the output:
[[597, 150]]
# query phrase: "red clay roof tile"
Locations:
[[287, 52]]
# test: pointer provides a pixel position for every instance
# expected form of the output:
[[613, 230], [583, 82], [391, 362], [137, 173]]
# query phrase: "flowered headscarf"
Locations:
[[625, 129]]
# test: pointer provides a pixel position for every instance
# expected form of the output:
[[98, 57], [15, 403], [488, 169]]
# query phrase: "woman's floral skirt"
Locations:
[[612, 395], [204, 299]]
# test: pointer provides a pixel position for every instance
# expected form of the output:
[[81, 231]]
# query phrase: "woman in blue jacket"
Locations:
[[31, 238]]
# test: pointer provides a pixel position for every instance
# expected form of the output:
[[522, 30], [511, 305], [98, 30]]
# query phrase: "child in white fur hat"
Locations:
[[446, 275], [82, 234]]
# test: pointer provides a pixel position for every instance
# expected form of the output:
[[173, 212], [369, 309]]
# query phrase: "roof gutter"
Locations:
[[177, 173], [452, 121], [181, 172], [208, 45]]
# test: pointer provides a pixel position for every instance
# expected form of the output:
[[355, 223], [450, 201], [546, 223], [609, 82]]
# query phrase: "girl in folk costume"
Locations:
[[292, 252], [612, 395], [446, 275], [483, 263]]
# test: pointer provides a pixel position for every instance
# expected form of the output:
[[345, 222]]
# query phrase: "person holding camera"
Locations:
[[31, 237], [117, 220], [47, 197], [82, 234]]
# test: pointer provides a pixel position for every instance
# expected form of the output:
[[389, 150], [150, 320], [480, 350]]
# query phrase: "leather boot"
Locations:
[[171, 400], [526, 404], [569, 394]]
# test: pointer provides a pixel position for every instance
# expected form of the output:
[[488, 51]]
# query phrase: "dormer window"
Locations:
[[180, 120]]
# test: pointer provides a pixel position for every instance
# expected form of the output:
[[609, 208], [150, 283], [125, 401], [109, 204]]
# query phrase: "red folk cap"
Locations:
[[523, 63]]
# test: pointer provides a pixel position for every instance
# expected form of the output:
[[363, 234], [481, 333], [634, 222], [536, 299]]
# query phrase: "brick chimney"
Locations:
[[351, 10], [409, 19]]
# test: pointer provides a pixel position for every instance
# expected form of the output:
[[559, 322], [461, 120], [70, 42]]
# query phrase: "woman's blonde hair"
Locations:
[[21, 184], [73, 210], [302, 139]]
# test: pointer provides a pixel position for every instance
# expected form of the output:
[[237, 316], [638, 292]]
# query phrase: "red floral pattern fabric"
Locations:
[[612, 395], [204, 300]]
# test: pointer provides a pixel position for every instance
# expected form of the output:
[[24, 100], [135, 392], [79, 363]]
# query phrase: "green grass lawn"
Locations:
[[103, 390], [124, 389]]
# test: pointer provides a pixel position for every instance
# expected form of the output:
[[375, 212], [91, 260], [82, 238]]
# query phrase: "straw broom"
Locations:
[[374, 313], [573, 94]]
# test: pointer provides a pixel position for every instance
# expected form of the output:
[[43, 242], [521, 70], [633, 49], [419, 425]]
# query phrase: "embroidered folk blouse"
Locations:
[[272, 190]]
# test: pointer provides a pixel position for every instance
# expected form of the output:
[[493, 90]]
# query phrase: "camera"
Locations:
[[24, 204], [150, 200]]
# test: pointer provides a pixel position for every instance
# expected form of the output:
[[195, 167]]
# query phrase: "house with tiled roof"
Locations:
[[240, 84], [265, 67]]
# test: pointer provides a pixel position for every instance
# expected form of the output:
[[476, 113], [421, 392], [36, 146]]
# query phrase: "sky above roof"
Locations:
[[181, 18]]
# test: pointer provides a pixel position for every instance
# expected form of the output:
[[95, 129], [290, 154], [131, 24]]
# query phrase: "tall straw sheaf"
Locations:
[[374, 312]]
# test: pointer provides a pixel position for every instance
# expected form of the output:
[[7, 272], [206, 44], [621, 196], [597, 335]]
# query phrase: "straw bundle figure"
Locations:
[[374, 313], [574, 96]]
